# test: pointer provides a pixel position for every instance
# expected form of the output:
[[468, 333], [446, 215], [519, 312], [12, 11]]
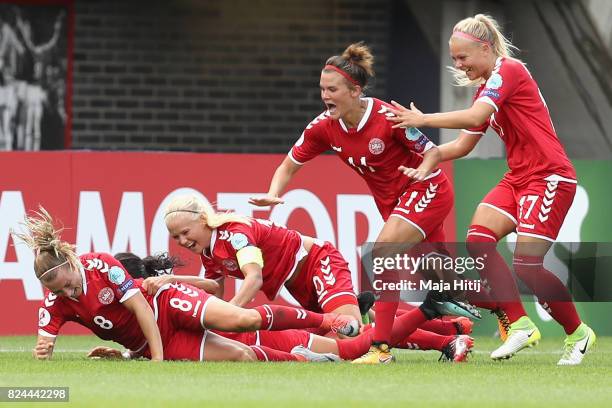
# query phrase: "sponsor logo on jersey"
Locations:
[[106, 296], [116, 275], [376, 146], [413, 134], [495, 81], [490, 92], [127, 285], [238, 241], [44, 317], [230, 265]]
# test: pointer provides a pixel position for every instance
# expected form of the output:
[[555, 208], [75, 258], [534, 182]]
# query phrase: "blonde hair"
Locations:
[[50, 251], [356, 61], [486, 29], [196, 208]]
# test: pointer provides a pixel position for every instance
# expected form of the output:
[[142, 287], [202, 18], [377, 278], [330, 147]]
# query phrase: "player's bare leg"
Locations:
[[217, 348]]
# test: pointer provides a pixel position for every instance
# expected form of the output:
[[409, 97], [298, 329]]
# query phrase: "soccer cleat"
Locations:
[[503, 323], [365, 300], [577, 344], [438, 304], [463, 325], [523, 333], [305, 354], [378, 354], [457, 350], [342, 324]]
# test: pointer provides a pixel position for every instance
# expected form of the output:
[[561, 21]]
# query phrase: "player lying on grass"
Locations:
[[95, 291], [265, 256], [155, 269]]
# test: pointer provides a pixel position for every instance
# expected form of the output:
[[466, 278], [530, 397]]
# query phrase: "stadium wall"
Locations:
[[217, 76]]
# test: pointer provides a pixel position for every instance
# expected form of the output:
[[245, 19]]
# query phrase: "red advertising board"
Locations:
[[113, 202]]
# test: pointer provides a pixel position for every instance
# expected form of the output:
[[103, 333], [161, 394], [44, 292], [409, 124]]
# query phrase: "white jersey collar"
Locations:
[[365, 117]]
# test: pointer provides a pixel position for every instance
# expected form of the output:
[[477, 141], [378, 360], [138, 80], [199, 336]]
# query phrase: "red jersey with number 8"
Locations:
[[106, 285]]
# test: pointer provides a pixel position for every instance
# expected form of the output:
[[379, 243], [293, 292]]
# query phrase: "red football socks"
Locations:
[[275, 317]]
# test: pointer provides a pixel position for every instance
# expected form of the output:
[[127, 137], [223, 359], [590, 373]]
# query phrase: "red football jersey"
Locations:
[[106, 285], [374, 150], [522, 120], [281, 248]]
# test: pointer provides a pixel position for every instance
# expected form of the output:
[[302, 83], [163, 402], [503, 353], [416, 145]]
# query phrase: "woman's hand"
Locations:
[[406, 118], [266, 200], [43, 350], [415, 174], [152, 284]]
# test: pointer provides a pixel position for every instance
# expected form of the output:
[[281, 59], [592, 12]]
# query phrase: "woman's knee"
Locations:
[[247, 320], [243, 354]]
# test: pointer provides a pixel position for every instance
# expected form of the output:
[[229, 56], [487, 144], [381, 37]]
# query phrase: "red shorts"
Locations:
[[425, 205], [179, 311], [324, 282], [283, 340], [538, 209]]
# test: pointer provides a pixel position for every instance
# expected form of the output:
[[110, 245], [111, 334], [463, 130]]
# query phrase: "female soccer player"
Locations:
[[95, 291], [155, 269], [267, 257], [399, 165], [534, 196]]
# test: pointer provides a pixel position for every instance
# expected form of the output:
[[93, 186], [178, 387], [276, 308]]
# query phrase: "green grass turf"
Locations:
[[530, 379]]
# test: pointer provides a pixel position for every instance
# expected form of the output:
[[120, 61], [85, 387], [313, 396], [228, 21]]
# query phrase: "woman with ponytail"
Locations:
[[92, 289], [412, 194], [534, 196]]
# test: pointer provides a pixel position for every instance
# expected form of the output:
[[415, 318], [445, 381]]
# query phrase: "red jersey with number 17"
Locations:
[[522, 120], [106, 285], [373, 150]]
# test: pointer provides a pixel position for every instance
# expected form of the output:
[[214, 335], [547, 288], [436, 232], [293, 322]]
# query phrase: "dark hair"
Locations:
[[154, 265], [357, 61]]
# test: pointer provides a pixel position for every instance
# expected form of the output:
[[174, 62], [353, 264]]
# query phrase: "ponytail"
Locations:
[[45, 240]]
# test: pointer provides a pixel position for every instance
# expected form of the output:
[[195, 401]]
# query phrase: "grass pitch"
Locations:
[[530, 379]]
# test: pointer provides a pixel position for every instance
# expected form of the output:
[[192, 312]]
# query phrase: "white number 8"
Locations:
[[103, 323], [183, 305]]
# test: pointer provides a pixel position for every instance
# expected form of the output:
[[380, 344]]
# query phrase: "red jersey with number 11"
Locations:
[[373, 150]]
